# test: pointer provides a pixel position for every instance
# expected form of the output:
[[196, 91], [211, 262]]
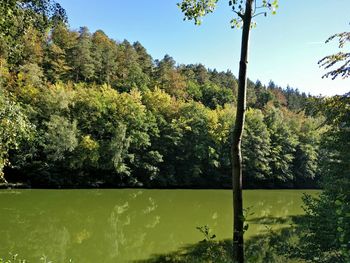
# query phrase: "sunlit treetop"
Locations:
[[197, 9]]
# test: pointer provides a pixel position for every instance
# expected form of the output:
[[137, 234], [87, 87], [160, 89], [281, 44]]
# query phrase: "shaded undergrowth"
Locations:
[[264, 248], [281, 246]]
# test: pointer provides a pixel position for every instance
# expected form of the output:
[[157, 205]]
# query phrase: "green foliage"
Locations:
[[207, 233], [58, 62], [60, 138], [196, 9], [130, 74], [82, 61], [155, 139], [30, 75], [104, 54], [306, 165], [14, 128], [106, 113], [256, 149], [214, 96], [273, 247], [327, 232], [341, 57], [19, 18], [283, 141]]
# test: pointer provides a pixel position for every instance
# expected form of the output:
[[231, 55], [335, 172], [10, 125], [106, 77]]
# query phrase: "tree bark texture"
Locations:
[[238, 217]]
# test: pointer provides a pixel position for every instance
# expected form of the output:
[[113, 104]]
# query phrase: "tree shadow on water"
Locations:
[[270, 220], [204, 251], [271, 247]]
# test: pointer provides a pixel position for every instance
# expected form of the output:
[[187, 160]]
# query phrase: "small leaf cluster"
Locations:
[[238, 7], [196, 9], [342, 58], [207, 233]]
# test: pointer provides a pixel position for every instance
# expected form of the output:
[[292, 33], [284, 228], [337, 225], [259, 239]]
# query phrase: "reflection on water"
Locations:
[[125, 225]]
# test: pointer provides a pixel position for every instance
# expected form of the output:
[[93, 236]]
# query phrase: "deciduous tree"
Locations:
[[245, 10]]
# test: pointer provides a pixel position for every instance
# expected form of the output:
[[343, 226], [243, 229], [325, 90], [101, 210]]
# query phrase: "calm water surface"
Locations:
[[128, 225]]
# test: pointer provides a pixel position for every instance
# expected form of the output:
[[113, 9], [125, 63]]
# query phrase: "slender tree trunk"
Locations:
[[238, 231]]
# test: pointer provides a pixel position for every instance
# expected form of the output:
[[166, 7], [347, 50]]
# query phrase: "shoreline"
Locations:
[[86, 187]]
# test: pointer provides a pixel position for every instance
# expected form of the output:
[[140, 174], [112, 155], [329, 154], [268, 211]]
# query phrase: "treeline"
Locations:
[[81, 109]]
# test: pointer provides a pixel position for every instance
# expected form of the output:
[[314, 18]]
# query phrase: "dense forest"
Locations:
[[81, 109]]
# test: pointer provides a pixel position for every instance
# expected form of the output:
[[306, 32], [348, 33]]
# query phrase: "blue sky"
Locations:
[[284, 47]]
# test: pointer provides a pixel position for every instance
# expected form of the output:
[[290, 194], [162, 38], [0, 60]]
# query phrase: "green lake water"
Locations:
[[128, 225]]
